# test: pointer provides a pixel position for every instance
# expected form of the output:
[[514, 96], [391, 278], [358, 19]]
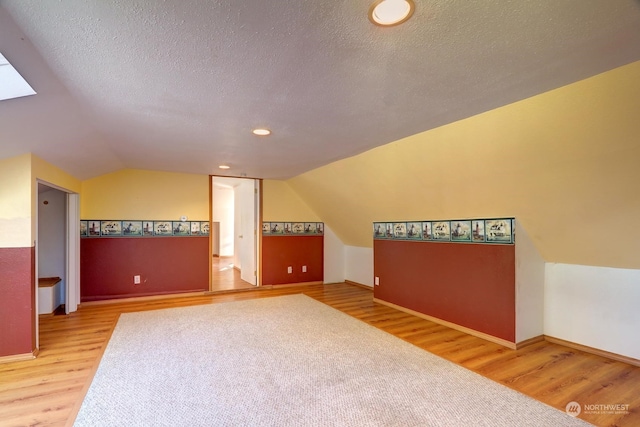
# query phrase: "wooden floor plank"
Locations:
[[46, 390]]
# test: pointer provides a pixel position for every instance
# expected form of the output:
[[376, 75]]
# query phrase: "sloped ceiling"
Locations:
[[177, 86], [563, 163]]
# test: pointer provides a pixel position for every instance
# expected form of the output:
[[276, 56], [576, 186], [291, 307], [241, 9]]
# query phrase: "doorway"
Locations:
[[234, 233], [52, 250], [57, 252]]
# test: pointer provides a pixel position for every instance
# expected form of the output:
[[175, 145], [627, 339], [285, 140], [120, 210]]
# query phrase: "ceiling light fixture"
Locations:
[[261, 132], [224, 167], [388, 13]]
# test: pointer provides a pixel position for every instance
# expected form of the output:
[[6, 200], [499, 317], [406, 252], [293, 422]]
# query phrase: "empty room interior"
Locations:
[[458, 179]]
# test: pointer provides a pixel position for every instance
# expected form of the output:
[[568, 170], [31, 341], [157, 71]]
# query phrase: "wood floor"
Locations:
[[225, 277], [48, 390]]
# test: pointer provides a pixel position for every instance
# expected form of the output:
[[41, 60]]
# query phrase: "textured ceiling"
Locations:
[[178, 85]]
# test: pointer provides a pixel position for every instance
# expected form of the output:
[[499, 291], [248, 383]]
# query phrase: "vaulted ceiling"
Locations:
[[178, 85]]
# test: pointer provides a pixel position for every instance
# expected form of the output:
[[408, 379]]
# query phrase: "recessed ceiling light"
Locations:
[[261, 132], [391, 12], [224, 167]]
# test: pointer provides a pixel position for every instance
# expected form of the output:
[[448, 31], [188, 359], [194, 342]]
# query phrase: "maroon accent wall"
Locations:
[[166, 265], [466, 284], [17, 287], [280, 252]]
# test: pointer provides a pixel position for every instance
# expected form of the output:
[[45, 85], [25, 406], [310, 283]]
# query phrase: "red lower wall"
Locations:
[[469, 285], [166, 265], [280, 252], [17, 287]]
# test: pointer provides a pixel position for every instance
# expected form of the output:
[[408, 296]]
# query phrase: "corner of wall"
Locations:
[[334, 259], [358, 263], [530, 283], [281, 202]]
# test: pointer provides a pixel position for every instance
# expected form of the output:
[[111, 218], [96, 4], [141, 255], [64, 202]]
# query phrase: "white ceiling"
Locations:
[[178, 85]]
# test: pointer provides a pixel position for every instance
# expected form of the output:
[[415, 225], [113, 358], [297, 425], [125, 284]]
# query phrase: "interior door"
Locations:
[[248, 192]]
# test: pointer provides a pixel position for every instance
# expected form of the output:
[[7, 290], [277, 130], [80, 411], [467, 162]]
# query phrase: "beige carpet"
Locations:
[[287, 361]]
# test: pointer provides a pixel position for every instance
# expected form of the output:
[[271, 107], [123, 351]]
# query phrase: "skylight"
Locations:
[[12, 85]]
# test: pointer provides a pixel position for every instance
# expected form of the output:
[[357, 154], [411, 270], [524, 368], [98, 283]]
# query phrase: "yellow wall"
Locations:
[[142, 194], [281, 203], [49, 174], [566, 163], [15, 202], [19, 195]]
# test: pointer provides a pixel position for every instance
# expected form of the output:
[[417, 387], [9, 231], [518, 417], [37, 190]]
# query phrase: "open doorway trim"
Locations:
[[72, 290], [72, 255], [257, 206]]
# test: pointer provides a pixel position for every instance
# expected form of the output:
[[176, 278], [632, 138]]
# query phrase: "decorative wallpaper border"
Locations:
[[142, 228], [292, 228], [494, 230]]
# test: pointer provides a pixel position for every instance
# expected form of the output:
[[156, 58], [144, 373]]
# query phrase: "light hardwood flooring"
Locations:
[[48, 390], [224, 277]]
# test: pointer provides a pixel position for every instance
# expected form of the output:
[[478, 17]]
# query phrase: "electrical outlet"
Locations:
[[377, 281], [304, 268], [289, 270], [136, 280]]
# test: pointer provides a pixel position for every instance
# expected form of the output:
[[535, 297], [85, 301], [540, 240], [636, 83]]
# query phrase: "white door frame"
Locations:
[[72, 288], [72, 256], [257, 230]]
